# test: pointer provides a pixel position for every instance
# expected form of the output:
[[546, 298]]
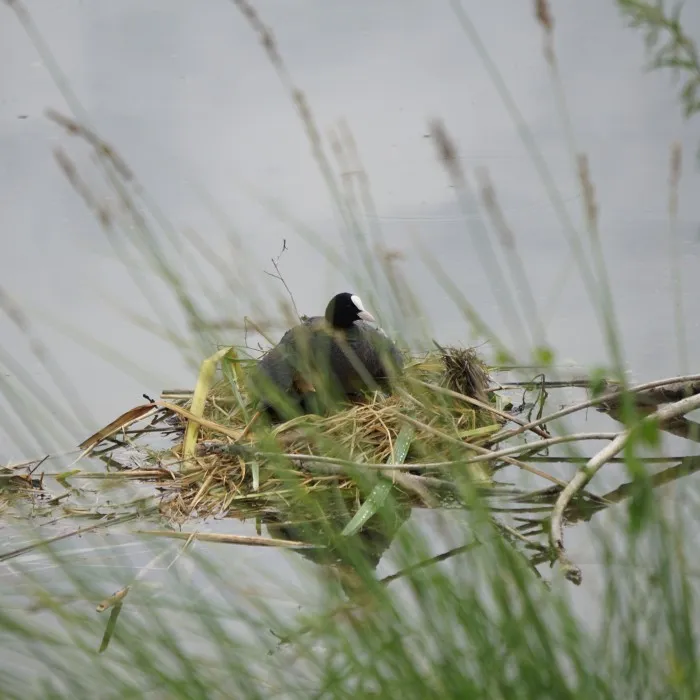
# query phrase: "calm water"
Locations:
[[187, 96]]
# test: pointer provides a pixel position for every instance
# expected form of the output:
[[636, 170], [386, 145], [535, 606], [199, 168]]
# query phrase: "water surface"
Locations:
[[188, 97]]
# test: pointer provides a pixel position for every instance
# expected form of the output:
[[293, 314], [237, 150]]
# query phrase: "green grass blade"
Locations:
[[379, 493]]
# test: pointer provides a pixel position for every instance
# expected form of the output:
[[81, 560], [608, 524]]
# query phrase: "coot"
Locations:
[[326, 358]]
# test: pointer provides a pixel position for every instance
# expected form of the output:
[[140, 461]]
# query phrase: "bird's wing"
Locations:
[[373, 345], [280, 364]]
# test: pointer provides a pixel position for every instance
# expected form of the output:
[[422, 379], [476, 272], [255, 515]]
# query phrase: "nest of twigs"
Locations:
[[430, 417]]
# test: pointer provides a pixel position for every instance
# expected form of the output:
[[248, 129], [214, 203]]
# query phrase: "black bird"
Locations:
[[332, 357]]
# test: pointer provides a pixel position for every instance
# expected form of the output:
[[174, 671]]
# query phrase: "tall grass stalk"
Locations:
[[466, 611]]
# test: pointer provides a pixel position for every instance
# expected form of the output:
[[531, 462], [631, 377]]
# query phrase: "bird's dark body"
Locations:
[[315, 359]]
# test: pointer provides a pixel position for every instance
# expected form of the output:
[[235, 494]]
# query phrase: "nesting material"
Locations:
[[436, 427], [466, 373]]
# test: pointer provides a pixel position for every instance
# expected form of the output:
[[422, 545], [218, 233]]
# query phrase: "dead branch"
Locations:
[[585, 474]]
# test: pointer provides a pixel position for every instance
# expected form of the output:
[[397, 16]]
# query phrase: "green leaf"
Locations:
[[201, 390], [62, 478], [372, 504], [378, 496], [403, 443], [229, 367]]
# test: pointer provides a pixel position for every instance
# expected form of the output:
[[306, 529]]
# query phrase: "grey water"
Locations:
[[187, 96]]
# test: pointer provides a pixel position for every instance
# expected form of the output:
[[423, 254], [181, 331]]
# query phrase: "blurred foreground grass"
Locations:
[[464, 613]]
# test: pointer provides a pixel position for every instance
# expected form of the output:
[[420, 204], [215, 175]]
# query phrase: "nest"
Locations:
[[418, 422]]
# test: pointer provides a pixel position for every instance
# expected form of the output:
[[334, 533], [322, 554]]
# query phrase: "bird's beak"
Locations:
[[366, 316]]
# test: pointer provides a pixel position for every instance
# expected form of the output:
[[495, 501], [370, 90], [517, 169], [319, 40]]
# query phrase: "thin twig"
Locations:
[[539, 444], [225, 538], [616, 460], [482, 405], [309, 461], [550, 384], [80, 531], [429, 562], [592, 402], [483, 451], [279, 276]]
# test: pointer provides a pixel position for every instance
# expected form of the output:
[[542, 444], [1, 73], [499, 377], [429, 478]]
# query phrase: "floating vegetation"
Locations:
[[358, 470], [229, 458]]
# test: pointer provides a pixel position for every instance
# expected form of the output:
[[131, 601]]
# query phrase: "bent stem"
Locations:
[[584, 475]]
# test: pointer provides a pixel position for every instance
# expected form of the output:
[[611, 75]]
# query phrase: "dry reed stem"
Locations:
[[486, 453], [482, 405], [509, 244], [112, 600], [124, 474], [310, 461], [414, 483], [204, 422], [225, 538], [75, 128], [299, 100]]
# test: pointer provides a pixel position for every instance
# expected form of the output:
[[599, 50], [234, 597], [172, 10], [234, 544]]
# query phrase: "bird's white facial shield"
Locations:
[[362, 313]]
